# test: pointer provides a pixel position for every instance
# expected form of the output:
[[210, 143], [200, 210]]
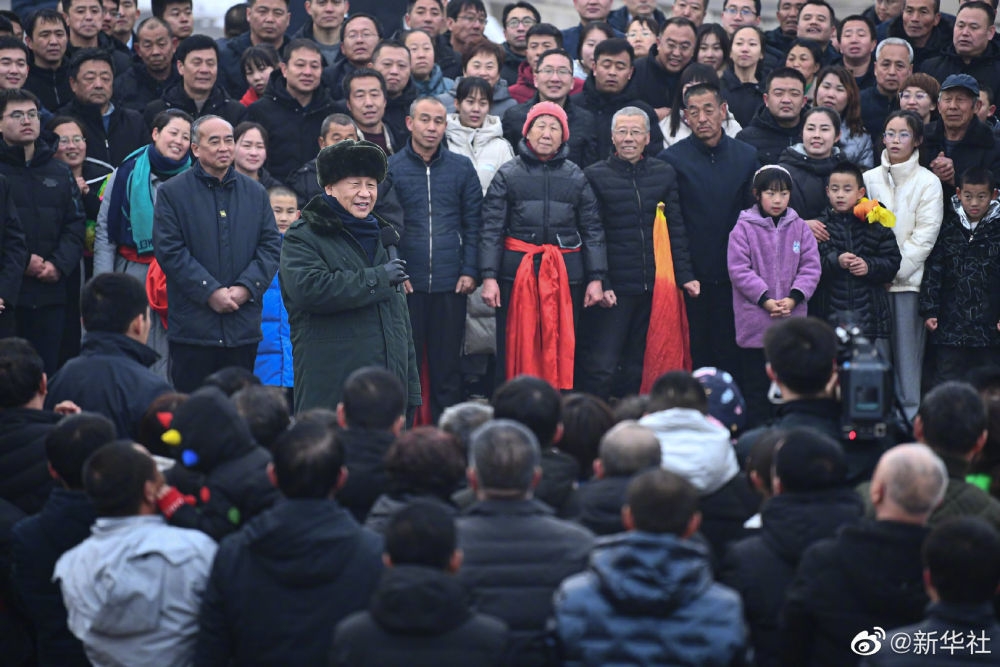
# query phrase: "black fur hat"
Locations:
[[350, 158]]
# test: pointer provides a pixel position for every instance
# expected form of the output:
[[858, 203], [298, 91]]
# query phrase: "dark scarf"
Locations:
[[364, 230]]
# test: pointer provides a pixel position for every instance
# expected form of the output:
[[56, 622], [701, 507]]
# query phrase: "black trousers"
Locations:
[[949, 362], [713, 329], [611, 345], [43, 327], [438, 322], [755, 386], [191, 364]]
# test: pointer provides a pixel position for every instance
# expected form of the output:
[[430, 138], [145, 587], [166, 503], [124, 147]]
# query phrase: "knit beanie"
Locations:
[[810, 461], [547, 109]]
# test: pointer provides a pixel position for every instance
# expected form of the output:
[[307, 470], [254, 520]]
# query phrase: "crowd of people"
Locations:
[[248, 285]]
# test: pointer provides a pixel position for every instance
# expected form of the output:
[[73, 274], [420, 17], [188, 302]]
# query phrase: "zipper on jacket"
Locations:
[[545, 210], [430, 229], [642, 233]]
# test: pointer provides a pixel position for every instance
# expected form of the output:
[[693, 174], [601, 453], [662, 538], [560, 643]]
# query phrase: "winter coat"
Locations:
[[436, 84], [582, 130], [772, 260], [939, 41], [511, 65], [628, 195], [24, 474], [743, 99], [984, 68], [869, 575], [648, 599], [218, 104], [133, 590], [303, 182], [51, 86], [542, 203], [38, 541], [110, 377], [292, 129], [730, 126], [418, 617], [694, 447], [501, 98], [388, 504], [281, 584], [653, 83], [397, 109], [977, 148], [761, 567], [47, 202], [620, 18], [724, 514], [711, 198], [516, 555], [603, 106], [210, 233], [343, 312], [13, 246], [913, 194], [856, 148], [809, 176], [364, 451], [601, 502], [768, 137], [485, 146], [974, 626], [105, 249], [126, 131], [442, 201], [231, 76], [135, 88], [274, 352], [864, 296], [875, 108], [960, 280]]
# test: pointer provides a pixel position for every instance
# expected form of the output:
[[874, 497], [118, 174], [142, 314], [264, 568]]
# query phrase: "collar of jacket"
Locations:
[[527, 153], [413, 155], [522, 507], [323, 220], [711, 150], [277, 89], [211, 181], [622, 165], [45, 148]]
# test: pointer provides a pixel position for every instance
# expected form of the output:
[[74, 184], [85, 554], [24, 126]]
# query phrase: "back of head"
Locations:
[[953, 417], [21, 371], [629, 448], [115, 477], [661, 502], [809, 461], [110, 301], [914, 481], [801, 352], [373, 399], [462, 419], [585, 418], [760, 460], [422, 533], [265, 410], [505, 456], [307, 461], [532, 402], [678, 389], [425, 460], [72, 441], [963, 556], [231, 379]]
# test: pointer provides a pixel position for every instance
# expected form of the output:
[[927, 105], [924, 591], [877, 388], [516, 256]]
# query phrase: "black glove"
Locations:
[[395, 271]]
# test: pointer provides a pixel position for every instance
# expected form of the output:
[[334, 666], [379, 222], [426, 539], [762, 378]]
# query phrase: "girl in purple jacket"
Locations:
[[774, 268]]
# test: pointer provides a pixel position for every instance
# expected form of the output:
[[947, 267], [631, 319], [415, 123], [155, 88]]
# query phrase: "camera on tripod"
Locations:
[[866, 386]]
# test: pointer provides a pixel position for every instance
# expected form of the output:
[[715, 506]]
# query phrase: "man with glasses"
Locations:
[[323, 26], [656, 75], [518, 18], [84, 19], [268, 21], [589, 11], [47, 199], [466, 21], [359, 35], [738, 13]]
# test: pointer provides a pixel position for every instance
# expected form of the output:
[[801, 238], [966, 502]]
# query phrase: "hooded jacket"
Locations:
[[485, 146], [582, 130], [436, 84], [694, 447], [282, 583], [809, 176], [761, 567], [418, 617], [648, 599], [769, 259], [501, 98], [217, 104], [768, 137], [111, 377], [913, 194]]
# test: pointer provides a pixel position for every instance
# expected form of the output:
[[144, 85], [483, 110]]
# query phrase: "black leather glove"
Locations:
[[395, 271]]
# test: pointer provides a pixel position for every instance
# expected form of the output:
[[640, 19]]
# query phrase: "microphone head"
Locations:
[[389, 236]]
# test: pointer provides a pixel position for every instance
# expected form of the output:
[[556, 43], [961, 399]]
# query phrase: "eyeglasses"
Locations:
[[19, 116], [670, 46], [901, 136], [630, 132], [472, 18], [560, 71], [527, 22], [75, 139], [745, 12]]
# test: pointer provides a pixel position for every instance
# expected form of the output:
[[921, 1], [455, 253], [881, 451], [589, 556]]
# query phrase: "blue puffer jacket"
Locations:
[[442, 204], [274, 352], [648, 599]]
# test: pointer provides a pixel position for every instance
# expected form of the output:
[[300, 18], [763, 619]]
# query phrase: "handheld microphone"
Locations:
[[390, 239]]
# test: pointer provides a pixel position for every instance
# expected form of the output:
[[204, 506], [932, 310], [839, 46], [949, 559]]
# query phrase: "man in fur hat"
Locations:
[[343, 293]]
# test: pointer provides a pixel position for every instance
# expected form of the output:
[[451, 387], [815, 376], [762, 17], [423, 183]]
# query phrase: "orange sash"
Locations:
[[541, 340]]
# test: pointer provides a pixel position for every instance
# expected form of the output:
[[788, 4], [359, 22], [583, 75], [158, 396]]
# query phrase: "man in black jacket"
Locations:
[[147, 79], [46, 34], [268, 21], [657, 74], [974, 50], [84, 19], [13, 258], [111, 376], [628, 188], [359, 34], [421, 560], [516, 552], [778, 123], [280, 584]]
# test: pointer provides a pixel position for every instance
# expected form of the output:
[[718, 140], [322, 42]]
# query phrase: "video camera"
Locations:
[[866, 387]]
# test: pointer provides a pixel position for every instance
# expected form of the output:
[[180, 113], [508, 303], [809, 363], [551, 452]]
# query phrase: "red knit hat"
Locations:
[[547, 109]]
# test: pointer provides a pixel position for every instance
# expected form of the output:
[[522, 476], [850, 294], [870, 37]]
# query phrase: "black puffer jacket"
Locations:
[[48, 204], [761, 567], [864, 296], [582, 130], [769, 138], [292, 129], [24, 475], [628, 195], [601, 503], [418, 616], [808, 180], [135, 88], [985, 69], [50, 85], [604, 106], [126, 131], [364, 450], [978, 148], [542, 203], [960, 280], [217, 104], [13, 247]]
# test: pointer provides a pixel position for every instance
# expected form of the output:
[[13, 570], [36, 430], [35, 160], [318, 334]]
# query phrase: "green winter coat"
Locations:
[[342, 311]]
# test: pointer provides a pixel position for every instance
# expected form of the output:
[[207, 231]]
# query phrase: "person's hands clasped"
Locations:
[[395, 271], [221, 301]]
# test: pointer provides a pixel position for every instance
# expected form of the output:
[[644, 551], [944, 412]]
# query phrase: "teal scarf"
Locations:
[[130, 213]]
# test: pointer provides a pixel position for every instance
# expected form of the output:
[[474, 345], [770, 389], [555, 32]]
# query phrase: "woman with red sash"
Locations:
[[541, 252]]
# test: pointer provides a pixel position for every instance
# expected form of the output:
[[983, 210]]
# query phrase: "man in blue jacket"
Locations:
[[218, 245], [441, 200]]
